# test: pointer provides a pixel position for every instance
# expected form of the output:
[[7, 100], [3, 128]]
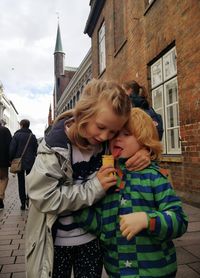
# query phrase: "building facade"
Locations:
[[62, 74], [156, 43], [8, 112], [75, 87], [69, 81]]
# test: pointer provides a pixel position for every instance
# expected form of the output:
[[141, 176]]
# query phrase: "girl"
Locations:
[[137, 222], [62, 180]]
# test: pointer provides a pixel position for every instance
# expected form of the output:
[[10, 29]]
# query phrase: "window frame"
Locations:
[[102, 47], [163, 73]]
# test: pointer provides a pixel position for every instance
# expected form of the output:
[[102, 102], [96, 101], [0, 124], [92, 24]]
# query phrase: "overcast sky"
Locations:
[[27, 42]]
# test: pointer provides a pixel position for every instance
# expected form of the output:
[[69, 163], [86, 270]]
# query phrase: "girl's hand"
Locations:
[[131, 224], [139, 161], [106, 177]]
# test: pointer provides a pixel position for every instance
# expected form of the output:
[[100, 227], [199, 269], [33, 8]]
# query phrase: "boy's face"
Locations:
[[124, 144]]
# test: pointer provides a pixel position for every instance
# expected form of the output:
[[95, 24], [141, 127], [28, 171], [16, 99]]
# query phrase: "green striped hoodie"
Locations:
[[151, 253]]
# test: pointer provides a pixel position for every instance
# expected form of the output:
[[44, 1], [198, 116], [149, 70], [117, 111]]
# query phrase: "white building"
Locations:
[[8, 112]]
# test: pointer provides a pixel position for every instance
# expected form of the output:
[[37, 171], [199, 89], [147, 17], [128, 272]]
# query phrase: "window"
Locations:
[[165, 99], [78, 95], [102, 48], [74, 101]]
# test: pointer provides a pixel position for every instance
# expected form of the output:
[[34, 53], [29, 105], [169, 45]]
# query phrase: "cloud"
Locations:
[[28, 37], [34, 107]]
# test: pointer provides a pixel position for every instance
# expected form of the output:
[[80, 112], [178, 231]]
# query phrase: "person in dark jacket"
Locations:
[[17, 146], [139, 98], [5, 139]]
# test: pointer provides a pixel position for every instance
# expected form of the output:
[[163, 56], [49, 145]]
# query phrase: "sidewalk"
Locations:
[[12, 232]]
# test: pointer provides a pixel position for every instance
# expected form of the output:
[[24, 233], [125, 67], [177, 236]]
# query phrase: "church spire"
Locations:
[[58, 46], [59, 70]]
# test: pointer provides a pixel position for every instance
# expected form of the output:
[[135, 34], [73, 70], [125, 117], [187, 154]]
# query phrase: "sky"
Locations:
[[27, 42]]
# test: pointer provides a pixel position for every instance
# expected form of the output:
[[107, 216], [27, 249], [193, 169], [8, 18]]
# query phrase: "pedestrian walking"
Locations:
[[62, 180], [5, 139], [17, 146]]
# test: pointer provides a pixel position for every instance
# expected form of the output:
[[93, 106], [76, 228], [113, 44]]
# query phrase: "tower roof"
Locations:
[[58, 46]]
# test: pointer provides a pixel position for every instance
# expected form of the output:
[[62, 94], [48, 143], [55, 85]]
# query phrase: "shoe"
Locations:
[[23, 207], [1, 204]]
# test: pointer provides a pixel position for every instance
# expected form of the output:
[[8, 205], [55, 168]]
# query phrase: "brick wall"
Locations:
[[148, 31]]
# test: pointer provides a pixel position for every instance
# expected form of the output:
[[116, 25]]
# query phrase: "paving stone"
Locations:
[[13, 268], [5, 241], [196, 267], [18, 252], [185, 271], [195, 217], [19, 275], [6, 253], [7, 260], [20, 260], [5, 275], [185, 257], [9, 247], [18, 241], [10, 237], [9, 232], [194, 226], [188, 239], [194, 249], [190, 210]]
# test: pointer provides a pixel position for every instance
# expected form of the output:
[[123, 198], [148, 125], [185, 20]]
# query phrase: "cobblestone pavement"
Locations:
[[12, 233]]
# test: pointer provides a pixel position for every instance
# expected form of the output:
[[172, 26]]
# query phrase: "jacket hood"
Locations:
[[56, 141], [57, 136]]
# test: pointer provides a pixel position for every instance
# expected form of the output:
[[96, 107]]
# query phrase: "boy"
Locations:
[[137, 222]]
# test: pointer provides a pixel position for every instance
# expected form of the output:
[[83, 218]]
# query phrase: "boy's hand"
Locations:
[[131, 224], [139, 161], [106, 177]]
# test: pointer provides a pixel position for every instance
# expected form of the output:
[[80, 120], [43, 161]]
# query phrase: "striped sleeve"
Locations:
[[90, 219], [169, 219]]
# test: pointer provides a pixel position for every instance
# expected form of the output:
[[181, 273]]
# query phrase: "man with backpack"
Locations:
[[23, 142]]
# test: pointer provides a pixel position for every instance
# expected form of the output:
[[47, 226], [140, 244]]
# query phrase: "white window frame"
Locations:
[[164, 74], [102, 48]]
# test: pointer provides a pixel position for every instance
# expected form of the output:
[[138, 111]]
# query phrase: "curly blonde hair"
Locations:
[[94, 93], [141, 125]]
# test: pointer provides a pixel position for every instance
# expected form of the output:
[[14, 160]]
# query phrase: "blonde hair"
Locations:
[[94, 93], [141, 125]]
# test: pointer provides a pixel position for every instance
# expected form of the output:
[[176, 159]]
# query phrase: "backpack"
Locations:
[[157, 119]]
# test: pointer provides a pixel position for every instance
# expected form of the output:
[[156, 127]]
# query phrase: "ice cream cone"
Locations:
[[108, 160]]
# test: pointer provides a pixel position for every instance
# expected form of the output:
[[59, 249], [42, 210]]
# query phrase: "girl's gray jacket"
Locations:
[[51, 192]]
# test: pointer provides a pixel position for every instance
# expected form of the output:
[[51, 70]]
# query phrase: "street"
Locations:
[[12, 233]]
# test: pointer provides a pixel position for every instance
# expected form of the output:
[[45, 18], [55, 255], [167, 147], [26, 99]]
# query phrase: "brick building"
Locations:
[[69, 81], [157, 43], [62, 74]]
